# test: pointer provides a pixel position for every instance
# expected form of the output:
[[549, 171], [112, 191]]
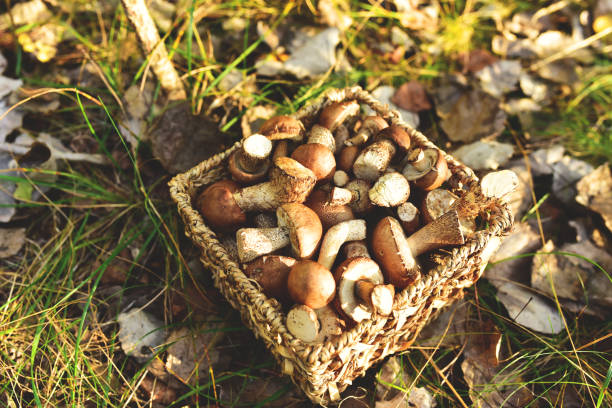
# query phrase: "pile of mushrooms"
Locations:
[[332, 220]]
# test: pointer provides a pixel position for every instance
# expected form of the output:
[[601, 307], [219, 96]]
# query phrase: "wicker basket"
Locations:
[[323, 370]]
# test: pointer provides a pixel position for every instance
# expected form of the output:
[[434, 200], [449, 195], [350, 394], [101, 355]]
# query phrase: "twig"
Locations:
[[139, 16], [71, 156]]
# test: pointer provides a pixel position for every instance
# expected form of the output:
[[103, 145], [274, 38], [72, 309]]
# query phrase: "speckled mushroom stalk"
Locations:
[[250, 163], [283, 128], [375, 158], [371, 126], [390, 190], [335, 114], [298, 225], [427, 168], [355, 194], [408, 216], [397, 254]]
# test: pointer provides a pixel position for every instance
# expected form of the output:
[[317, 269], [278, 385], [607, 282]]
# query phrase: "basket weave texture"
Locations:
[[324, 370]]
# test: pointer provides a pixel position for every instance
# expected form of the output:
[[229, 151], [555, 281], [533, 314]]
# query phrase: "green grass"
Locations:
[[58, 339]]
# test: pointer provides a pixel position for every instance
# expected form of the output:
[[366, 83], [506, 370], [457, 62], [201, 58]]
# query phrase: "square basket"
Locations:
[[324, 370]]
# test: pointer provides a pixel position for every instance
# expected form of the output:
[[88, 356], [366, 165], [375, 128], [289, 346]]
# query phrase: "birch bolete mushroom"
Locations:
[[282, 128], [347, 158], [298, 225], [408, 216], [355, 194], [329, 214], [218, 206], [375, 158], [371, 126], [390, 190], [250, 163], [361, 289], [318, 153], [352, 230], [272, 273], [427, 168], [397, 254], [335, 114], [311, 284]]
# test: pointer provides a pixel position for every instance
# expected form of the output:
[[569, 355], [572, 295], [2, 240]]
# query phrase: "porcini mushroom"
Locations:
[[272, 273], [375, 158], [311, 284], [317, 158], [397, 254], [355, 194], [334, 114], [217, 205], [347, 158], [250, 163], [352, 230], [298, 225], [361, 289], [282, 128], [329, 214], [371, 126], [427, 169], [390, 190]]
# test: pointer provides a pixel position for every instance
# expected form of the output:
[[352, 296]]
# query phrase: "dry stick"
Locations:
[[140, 18]]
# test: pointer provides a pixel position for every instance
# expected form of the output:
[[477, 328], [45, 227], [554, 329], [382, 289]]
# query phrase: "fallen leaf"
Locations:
[[522, 48], [273, 391], [518, 106], [7, 187], [415, 17], [473, 115], [401, 38], [595, 193], [475, 60], [484, 155], [29, 12], [539, 91], [316, 56], [541, 161], [11, 241], [499, 78], [566, 172], [412, 97], [415, 397], [455, 317], [384, 94], [561, 71], [8, 85], [158, 392], [552, 42], [140, 334]]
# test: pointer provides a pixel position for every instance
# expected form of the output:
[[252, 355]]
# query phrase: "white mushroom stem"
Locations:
[[322, 135], [341, 196], [255, 150], [374, 160], [303, 323], [378, 297], [255, 242], [341, 178], [391, 190], [352, 230]]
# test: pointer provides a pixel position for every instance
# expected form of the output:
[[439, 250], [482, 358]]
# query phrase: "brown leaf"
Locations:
[[476, 60], [411, 96], [595, 192], [158, 391], [11, 241]]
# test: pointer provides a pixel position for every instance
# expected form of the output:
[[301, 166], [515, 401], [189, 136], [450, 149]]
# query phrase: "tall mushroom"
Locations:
[[371, 126], [375, 158], [397, 254], [282, 128], [427, 168], [250, 163], [298, 225], [352, 230]]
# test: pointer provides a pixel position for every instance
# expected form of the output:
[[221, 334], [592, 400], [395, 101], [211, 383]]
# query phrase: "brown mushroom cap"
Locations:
[[347, 158], [304, 226], [397, 135], [217, 205], [317, 158], [333, 115], [322, 135], [347, 275], [311, 284], [392, 252], [427, 170], [282, 127], [328, 214], [272, 273]]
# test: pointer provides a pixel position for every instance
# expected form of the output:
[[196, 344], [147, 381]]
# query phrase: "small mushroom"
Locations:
[[272, 273], [374, 159], [329, 214], [340, 178], [290, 182], [316, 157], [303, 323], [355, 194], [250, 163], [282, 128], [352, 230], [298, 225], [218, 207], [311, 284], [322, 135], [331, 324], [371, 126], [334, 114], [347, 158], [355, 249], [356, 280], [341, 135], [427, 169], [408, 215], [391, 190], [397, 254]]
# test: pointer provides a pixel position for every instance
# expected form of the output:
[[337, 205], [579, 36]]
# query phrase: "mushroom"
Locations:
[[250, 163], [355, 194], [303, 323], [361, 289], [356, 249], [264, 220], [352, 230], [374, 159], [282, 128], [408, 215], [341, 135], [316, 157], [334, 114], [290, 182], [436, 203], [427, 169], [331, 324], [329, 214], [347, 158], [390, 190], [311, 284], [281, 150], [298, 225], [340, 178], [371, 126], [272, 273], [397, 254], [217, 205], [322, 135]]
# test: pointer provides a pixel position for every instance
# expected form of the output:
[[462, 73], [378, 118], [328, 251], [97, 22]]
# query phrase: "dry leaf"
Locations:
[[566, 172], [411, 96], [562, 71], [272, 391], [455, 317], [539, 91], [484, 155], [415, 398], [158, 392], [11, 241], [334, 16], [475, 60], [392, 389], [500, 77], [29, 12], [595, 192], [140, 333], [414, 17]]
